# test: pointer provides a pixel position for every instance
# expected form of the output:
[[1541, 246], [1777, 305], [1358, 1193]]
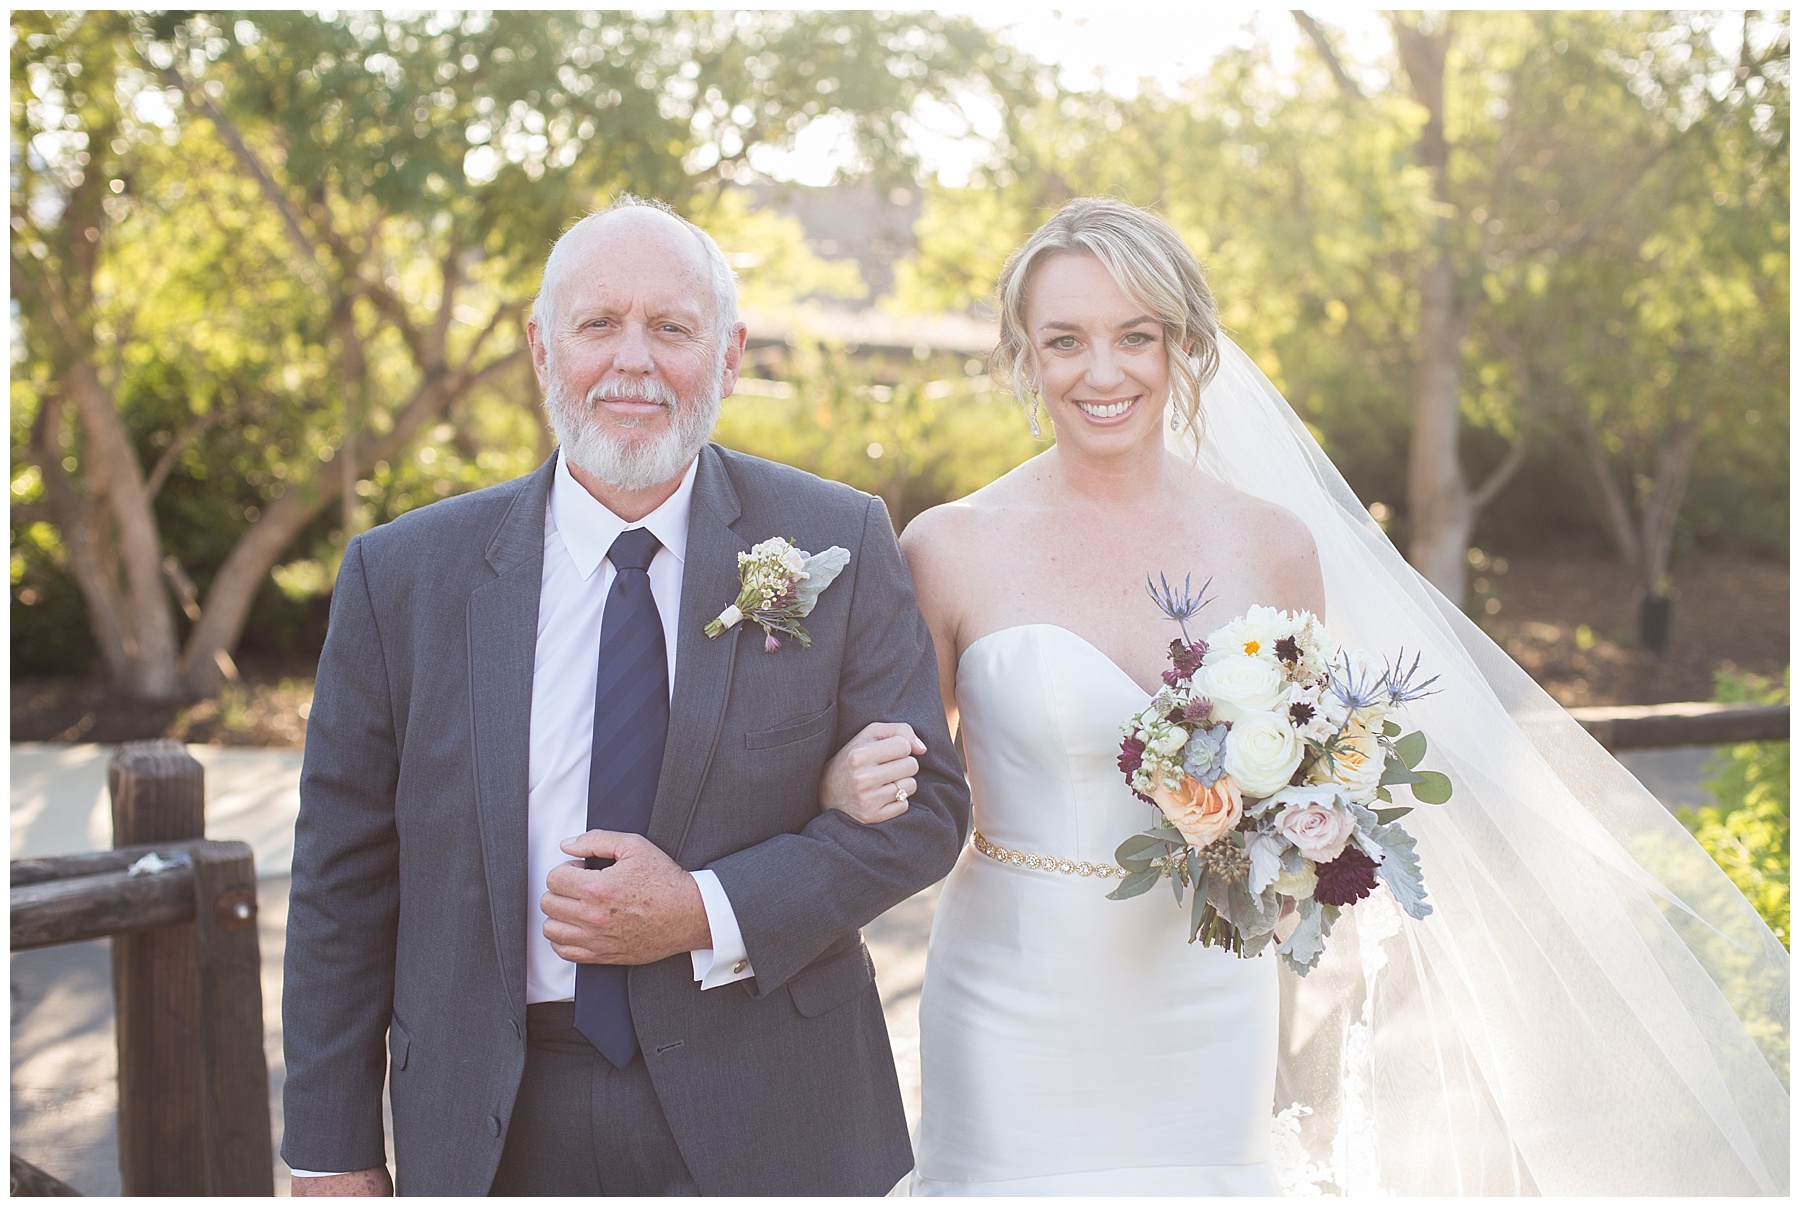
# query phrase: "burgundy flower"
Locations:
[[1288, 650], [1197, 711], [1131, 756], [1300, 712], [1186, 660], [1347, 879]]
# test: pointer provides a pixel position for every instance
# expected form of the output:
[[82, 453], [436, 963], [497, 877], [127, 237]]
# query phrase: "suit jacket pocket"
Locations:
[[831, 981], [794, 731], [399, 1045]]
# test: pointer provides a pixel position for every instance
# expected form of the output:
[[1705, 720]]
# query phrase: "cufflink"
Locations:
[[740, 965]]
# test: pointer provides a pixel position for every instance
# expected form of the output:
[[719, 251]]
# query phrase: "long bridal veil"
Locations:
[[1592, 1007]]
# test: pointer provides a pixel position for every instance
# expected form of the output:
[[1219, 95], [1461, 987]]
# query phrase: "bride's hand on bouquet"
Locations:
[[871, 777]]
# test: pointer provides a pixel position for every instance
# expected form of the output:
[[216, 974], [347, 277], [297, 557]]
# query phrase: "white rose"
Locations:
[[1241, 684], [1357, 765], [1261, 752]]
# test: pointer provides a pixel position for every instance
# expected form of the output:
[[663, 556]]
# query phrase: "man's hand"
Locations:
[[642, 909], [364, 1183]]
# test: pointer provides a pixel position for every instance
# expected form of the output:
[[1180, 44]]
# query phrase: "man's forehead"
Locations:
[[648, 232]]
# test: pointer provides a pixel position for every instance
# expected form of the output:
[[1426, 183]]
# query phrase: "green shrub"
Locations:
[[1746, 828]]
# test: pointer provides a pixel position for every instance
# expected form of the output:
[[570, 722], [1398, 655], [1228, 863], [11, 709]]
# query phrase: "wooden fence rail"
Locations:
[[187, 977], [1654, 726]]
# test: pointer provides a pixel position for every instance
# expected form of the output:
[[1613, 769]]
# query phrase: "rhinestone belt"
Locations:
[[1046, 863]]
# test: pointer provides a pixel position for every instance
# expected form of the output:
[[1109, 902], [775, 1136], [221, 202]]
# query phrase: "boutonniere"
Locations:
[[780, 584]]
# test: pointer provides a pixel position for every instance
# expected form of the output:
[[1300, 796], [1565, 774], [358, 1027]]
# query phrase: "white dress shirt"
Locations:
[[578, 530]]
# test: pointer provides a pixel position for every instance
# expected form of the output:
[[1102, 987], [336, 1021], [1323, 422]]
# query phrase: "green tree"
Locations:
[[1745, 829], [353, 209]]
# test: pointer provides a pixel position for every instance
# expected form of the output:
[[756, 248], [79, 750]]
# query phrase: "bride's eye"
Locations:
[[1062, 343]]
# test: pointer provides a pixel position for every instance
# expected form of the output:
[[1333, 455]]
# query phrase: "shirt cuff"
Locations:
[[726, 960], [307, 1173]]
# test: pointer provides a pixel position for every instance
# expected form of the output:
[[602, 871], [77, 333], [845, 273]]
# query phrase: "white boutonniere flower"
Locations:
[[779, 585]]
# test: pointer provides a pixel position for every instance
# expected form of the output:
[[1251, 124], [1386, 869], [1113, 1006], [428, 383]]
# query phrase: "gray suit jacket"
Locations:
[[406, 925]]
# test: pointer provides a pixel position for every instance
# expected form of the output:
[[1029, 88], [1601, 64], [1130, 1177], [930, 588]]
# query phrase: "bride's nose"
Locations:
[[1104, 369]]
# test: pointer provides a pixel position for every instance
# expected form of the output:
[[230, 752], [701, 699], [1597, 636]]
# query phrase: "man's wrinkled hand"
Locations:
[[642, 909]]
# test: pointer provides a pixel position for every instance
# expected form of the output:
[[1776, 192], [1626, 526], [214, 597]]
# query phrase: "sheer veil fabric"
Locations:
[[1592, 1007]]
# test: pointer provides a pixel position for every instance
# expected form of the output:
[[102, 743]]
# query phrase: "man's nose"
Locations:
[[632, 352]]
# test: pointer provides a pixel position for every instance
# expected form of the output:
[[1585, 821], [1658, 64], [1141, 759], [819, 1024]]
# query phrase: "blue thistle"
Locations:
[[1179, 608], [1400, 686], [1354, 690]]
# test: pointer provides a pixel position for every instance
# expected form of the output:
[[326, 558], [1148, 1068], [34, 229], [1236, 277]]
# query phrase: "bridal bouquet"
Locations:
[[1270, 753]]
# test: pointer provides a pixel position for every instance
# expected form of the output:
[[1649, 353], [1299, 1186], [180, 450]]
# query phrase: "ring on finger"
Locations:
[[899, 794]]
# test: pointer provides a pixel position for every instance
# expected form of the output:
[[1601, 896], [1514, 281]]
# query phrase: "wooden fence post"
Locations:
[[158, 795], [240, 1157]]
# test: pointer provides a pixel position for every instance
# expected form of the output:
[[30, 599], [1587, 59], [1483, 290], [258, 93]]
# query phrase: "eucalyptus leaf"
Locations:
[[1390, 729], [1197, 908], [1396, 772], [1388, 817], [1139, 847], [1433, 788], [1132, 885], [1384, 794], [1411, 748]]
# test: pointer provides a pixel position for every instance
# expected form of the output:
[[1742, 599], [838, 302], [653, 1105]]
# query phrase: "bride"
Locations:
[[1591, 1007]]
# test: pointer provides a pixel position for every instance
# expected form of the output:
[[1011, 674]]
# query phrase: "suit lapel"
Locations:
[[703, 665], [502, 636]]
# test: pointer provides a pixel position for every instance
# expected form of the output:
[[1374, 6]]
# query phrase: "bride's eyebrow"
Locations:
[[1139, 321]]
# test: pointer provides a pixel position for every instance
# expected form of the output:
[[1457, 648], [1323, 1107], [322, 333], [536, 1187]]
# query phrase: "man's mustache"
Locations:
[[650, 391]]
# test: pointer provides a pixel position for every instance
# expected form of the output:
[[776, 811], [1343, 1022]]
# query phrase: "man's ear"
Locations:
[[540, 353], [734, 357]]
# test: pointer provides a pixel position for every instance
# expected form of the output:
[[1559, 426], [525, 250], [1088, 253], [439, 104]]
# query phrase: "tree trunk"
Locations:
[[1440, 505], [146, 629]]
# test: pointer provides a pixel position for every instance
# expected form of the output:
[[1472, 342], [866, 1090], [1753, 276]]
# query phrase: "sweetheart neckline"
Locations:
[[1045, 624]]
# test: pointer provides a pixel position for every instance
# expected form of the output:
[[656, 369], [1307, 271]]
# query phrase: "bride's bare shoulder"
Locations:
[[1284, 544], [953, 531]]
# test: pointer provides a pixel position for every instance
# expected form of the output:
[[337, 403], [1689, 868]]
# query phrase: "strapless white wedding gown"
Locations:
[[1070, 1044]]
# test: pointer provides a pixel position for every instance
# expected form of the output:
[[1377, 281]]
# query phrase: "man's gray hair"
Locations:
[[724, 281]]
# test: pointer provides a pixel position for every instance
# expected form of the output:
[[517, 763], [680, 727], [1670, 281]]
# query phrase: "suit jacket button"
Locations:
[[740, 965]]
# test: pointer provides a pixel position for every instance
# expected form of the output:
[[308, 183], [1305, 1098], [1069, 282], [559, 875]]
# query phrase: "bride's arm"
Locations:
[[871, 776], [940, 577]]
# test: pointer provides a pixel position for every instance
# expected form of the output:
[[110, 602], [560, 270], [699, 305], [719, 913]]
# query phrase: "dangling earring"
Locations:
[[1174, 418], [1037, 433]]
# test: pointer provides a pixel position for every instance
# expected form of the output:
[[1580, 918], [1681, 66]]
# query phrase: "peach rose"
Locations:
[[1202, 814]]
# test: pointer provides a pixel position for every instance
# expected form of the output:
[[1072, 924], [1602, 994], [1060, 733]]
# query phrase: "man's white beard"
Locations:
[[633, 464]]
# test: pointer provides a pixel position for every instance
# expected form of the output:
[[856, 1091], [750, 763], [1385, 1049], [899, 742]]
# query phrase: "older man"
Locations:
[[563, 852]]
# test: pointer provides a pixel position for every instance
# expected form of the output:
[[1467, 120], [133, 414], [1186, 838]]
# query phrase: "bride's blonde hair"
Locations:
[[1151, 263]]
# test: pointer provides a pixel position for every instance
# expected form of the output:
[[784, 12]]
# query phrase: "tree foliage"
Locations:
[[271, 251]]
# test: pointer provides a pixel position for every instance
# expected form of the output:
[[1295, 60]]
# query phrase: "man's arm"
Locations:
[[796, 894], [338, 989]]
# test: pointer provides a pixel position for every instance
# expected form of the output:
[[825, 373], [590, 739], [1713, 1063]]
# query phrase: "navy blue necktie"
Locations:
[[631, 723]]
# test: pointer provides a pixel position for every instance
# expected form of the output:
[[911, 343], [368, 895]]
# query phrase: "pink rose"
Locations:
[[1203, 815], [1319, 827]]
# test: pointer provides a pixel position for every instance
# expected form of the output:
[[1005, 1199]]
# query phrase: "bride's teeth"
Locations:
[[1105, 412]]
